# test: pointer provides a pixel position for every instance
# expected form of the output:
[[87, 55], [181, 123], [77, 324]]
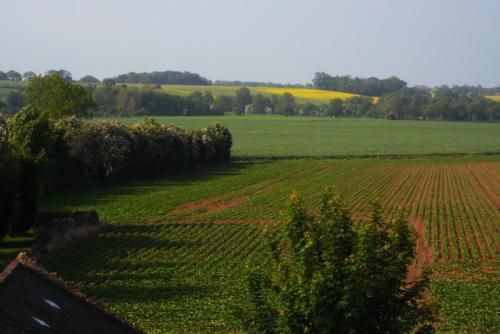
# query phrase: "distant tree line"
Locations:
[[163, 78], [457, 103], [44, 147], [363, 86], [443, 103]]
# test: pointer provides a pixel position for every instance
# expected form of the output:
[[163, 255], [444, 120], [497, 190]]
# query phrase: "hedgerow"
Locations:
[[37, 153]]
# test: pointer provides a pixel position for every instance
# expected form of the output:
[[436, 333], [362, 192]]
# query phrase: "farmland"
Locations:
[[301, 94], [494, 97], [9, 86], [176, 255], [275, 136]]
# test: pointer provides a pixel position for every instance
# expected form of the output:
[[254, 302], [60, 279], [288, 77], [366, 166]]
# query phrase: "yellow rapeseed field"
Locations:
[[494, 97], [309, 94], [301, 94]]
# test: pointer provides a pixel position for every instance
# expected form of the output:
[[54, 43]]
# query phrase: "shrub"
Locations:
[[332, 275], [153, 147], [220, 139], [29, 132], [101, 148]]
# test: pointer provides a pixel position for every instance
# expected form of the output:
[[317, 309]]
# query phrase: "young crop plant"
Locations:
[[331, 274]]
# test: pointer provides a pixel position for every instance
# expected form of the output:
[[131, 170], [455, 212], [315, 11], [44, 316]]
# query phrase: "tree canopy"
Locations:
[[330, 274], [363, 86], [89, 79], [165, 77], [57, 98]]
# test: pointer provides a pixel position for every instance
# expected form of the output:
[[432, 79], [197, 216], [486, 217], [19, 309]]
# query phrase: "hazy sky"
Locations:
[[422, 41]]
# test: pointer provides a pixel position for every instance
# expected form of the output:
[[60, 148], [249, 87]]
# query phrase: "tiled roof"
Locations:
[[33, 301]]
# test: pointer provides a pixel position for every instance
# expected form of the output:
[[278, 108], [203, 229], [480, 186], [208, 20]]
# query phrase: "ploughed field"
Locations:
[[278, 136], [176, 255]]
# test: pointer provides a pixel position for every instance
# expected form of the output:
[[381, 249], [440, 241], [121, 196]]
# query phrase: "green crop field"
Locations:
[[276, 136], [175, 258]]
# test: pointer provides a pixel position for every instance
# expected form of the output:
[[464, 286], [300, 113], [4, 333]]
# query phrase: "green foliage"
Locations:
[[29, 132], [286, 105], [156, 147], [165, 77], [63, 74], [108, 150], [220, 139], [468, 306], [101, 148], [456, 104], [331, 275], [363, 86], [242, 99], [57, 98], [108, 83], [89, 79], [19, 160], [223, 104]]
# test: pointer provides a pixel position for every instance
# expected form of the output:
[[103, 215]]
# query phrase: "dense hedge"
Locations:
[[37, 153], [107, 150]]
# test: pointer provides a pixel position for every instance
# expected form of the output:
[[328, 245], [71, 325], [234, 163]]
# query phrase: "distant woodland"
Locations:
[[395, 100]]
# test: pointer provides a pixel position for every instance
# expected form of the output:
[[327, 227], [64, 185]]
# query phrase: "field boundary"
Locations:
[[363, 156]]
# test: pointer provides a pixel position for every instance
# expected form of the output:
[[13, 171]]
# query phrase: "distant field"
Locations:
[[4, 92], [301, 95], [8, 86], [275, 136], [494, 97], [175, 259]]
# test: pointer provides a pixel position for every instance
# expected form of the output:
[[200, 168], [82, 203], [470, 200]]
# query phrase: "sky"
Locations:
[[424, 42]]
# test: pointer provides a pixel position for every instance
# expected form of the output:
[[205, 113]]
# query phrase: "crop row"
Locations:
[[460, 216], [179, 264]]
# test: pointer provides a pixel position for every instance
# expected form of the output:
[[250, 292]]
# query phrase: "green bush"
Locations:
[[29, 132], [101, 149], [218, 137], [332, 275], [154, 147]]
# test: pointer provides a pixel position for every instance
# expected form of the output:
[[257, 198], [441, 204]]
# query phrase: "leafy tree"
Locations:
[[3, 76], [335, 108], [165, 77], [28, 75], [364, 86], [330, 274], [222, 104], [65, 75], [108, 83], [309, 109], [126, 103], [89, 79], [57, 98], [357, 106], [243, 98], [29, 133], [14, 76], [259, 104], [197, 104], [286, 104]]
